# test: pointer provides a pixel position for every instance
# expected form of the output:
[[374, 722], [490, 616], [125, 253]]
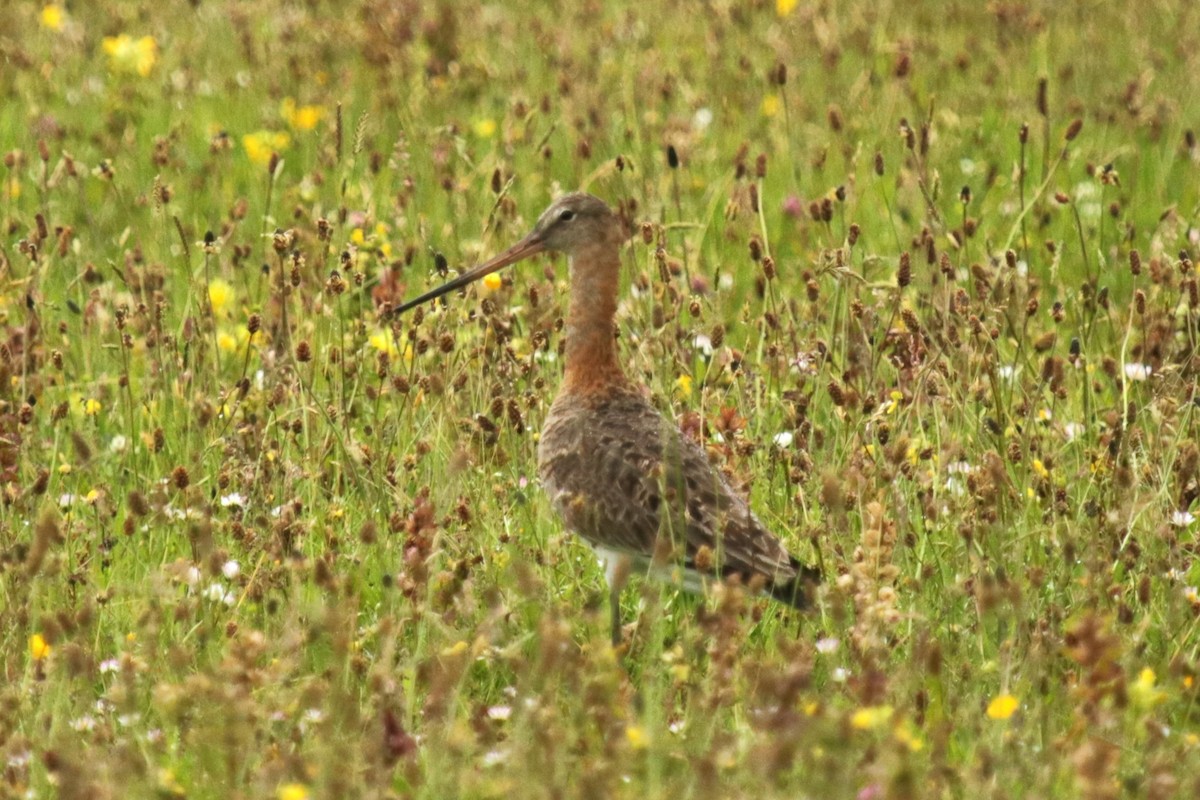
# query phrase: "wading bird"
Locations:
[[622, 476]]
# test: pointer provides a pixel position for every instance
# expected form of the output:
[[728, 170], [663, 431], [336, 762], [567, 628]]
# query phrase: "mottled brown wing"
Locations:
[[623, 476]]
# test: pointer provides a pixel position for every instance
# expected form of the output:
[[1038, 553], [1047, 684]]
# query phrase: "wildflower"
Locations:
[[492, 282], [893, 403], [230, 569], [119, 444], [1138, 372], [904, 734], [683, 385], [702, 118], [1003, 706], [39, 648], [1073, 430], [871, 717], [384, 343], [292, 791], [219, 294], [91, 407], [770, 105], [637, 737], [301, 118], [13, 189], [126, 54], [703, 344], [233, 499], [226, 342], [499, 713], [456, 649], [1143, 692], [783, 439], [1040, 469], [484, 128], [1182, 518], [785, 7], [52, 17], [109, 665], [261, 145]]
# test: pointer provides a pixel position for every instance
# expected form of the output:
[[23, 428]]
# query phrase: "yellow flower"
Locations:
[[1003, 706], [492, 282], [292, 791], [770, 105], [456, 649], [637, 737], [1040, 469], [39, 648], [785, 7], [226, 342], [683, 385], [484, 128], [91, 407], [870, 717], [13, 189], [219, 293], [92, 497], [260, 145], [1143, 692], [905, 736], [384, 342], [64, 469], [357, 237], [301, 118], [126, 54], [53, 17]]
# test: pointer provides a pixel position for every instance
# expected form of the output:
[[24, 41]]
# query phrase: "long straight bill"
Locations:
[[523, 249]]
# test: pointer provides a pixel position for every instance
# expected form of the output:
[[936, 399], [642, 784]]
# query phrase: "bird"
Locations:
[[620, 474]]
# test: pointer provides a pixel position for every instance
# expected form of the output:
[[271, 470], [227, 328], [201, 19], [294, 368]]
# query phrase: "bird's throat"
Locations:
[[591, 348]]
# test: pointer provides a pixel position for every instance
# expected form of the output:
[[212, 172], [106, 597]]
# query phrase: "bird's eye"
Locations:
[[566, 216]]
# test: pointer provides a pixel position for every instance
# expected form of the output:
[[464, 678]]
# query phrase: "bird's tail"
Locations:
[[795, 591]]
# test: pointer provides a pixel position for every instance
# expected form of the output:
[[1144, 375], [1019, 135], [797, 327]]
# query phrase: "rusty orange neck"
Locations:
[[591, 355]]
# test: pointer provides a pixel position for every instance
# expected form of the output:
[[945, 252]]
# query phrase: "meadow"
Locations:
[[922, 277]]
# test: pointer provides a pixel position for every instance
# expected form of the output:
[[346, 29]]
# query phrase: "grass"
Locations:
[[256, 543]]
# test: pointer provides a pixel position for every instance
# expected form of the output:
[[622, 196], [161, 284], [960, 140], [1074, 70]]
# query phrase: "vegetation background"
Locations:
[[920, 275]]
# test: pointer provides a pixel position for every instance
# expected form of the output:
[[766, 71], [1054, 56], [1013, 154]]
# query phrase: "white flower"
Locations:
[[233, 499], [959, 468], [83, 724], [109, 665], [827, 645], [499, 712], [703, 344], [783, 440], [118, 444], [702, 118], [217, 593], [1183, 518], [230, 569], [1138, 372], [493, 758], [192, 576], [839, 675], [1073, 431], [65, 500], [1008, 372]]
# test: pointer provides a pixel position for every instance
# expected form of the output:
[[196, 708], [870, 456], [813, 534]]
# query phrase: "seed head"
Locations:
[[904, 276]]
